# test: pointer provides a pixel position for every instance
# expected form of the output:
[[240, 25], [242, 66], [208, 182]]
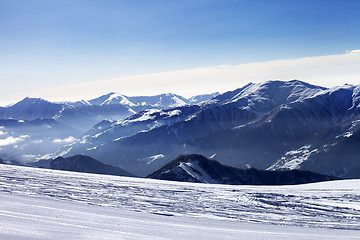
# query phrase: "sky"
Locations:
[[73, 49]]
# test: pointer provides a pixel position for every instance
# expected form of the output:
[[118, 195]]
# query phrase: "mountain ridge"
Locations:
[[197, 168], [270, 125]]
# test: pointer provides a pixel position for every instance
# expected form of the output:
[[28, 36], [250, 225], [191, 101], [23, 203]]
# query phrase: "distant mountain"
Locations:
[[10, 162], [31, 109], [272, 125], [27, 140], [33, 128], [80, 163], [202, 98], [139, 102], [82, 115], [197, 168]]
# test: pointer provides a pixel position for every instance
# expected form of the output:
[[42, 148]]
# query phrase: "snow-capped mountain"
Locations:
[[84, 114], [30, 109], [163, 101], [197, 168], [34, 127], [271, 125], [80, 163]]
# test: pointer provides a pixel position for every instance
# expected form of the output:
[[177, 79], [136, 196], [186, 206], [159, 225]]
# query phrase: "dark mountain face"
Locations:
[[10, 162], [274, 125], [197, 168], [80, 163]]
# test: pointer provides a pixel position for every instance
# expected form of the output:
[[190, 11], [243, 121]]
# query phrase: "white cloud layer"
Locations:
[[12, 140], [70, 139], [328, 71]]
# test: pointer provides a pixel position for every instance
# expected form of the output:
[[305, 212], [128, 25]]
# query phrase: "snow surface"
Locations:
[[293, 159], [50, 204]]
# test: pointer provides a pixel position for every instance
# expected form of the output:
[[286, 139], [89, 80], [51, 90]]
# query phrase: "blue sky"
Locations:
[[53, 43]]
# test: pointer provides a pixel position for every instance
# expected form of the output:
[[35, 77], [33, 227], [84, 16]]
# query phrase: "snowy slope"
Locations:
[[24, 218], [326, 205]]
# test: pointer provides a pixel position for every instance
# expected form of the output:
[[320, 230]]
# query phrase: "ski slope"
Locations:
[[50, 204]]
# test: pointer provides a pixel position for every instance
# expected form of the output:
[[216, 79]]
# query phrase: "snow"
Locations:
[[153, 158], [347, 134], [177, 102], [117, 98], [50, 204], [199, 174], [293, 159], [171, 113], [49, 219], [254, 92], [85, 102], [192, 116], [145, 116]]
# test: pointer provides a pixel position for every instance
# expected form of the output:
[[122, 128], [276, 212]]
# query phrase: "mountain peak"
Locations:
[[111, 98], [29, 100]]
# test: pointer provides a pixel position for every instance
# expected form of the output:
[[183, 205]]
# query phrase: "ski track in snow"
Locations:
[[33, 198]]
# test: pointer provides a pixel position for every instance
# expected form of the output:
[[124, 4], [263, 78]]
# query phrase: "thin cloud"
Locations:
[[328, 71]]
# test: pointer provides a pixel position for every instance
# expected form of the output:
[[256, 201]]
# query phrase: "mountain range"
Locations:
[[34, 128], [274, 125], [82, 115]]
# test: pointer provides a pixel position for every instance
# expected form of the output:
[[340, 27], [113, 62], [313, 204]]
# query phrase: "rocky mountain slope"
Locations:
[[197, 168]]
